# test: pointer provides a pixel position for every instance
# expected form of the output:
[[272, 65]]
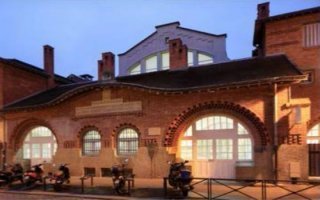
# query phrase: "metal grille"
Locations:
[[91, 143], [128, 141]]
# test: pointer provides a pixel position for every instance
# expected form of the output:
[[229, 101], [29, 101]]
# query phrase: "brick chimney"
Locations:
[[178, 54], [106, 67], [263, 10], [48, 62]]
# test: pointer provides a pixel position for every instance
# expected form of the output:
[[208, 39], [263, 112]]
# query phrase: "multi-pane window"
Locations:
[[224, 149], [311, 35], [186, 149], [204, 59], [91, 143], [136, 69], [39, 144], [151, 63], [244, 149], [214, 123], [128, 142], [204, 149], [313, 136]]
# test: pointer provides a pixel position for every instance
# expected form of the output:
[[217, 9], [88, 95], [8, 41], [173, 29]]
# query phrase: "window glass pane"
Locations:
[[26, 151], [190, 58], [204, 149], [165, 60], [151, 64], [91, 143], [186, 149], [136, 69], [36, 151], [244, 149], [314, 131], [204, 59], [128, 142], [188, 131], [224, 149], [242, 130], [40, 132], [46, 150]]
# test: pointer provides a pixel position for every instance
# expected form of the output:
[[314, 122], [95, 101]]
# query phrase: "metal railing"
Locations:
[[213, 188]]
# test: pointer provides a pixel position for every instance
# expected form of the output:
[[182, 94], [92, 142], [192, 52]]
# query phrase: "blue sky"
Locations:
[[80, 30]]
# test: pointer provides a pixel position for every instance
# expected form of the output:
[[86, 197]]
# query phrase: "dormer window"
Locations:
[[204, 59]]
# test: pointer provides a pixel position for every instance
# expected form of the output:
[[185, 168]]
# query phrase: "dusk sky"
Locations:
[[80, 30]]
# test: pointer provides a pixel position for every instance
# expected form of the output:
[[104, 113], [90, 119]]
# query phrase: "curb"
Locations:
[[82, 196]]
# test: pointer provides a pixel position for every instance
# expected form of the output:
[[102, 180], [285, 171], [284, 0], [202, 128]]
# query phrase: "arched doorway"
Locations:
[[313, 141], [215, 144], [39, 145]]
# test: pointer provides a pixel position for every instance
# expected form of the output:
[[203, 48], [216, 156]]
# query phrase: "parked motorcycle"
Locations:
[[119, 178], [32, 176], [60, 177], [15, 174], [180, 177]]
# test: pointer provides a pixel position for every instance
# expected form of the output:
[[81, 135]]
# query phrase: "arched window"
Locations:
[[39, 145], [91, 143], [128, 142]]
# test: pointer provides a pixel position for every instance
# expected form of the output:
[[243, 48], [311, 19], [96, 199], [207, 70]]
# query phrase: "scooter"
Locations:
[[15, 174], [32, 176], [118, 177], [60, 177], [180, 177]]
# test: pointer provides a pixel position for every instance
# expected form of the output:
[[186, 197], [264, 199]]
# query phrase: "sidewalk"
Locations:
[[153, 189]]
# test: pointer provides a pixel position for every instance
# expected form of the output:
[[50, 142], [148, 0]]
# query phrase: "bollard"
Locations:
[[82, 184], [165, 186]]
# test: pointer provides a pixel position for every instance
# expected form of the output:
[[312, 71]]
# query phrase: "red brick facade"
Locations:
[[268, 110]]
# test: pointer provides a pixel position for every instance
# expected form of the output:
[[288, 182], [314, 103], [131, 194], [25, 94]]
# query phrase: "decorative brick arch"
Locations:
[[20, 132], [84, 130], [122, 126], [191, 113], [312, 123]]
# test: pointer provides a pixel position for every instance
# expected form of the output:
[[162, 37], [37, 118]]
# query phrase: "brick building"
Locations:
[[177, 96]]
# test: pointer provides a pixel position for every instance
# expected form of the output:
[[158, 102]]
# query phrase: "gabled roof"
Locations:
[[250, 71], [31, 68], [177, 23]]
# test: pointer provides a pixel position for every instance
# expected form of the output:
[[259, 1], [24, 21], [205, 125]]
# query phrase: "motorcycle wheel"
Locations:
[[185, 192], [57, 187]]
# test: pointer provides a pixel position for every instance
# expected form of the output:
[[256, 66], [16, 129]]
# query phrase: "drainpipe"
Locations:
[[4, 148], [275, 131]]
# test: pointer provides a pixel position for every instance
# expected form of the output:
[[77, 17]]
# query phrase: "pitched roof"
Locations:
[[177, 23], [31, 68], [234, 73]]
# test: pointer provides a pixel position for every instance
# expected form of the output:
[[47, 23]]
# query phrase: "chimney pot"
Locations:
[[263, 10]]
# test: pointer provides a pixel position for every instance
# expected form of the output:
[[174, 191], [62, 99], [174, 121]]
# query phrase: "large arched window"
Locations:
[[128, 142], [313, 136], [91, 143], [39, 145], [213, 142]]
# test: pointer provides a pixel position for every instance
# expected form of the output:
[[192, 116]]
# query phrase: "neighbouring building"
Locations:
[[177, 96]]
